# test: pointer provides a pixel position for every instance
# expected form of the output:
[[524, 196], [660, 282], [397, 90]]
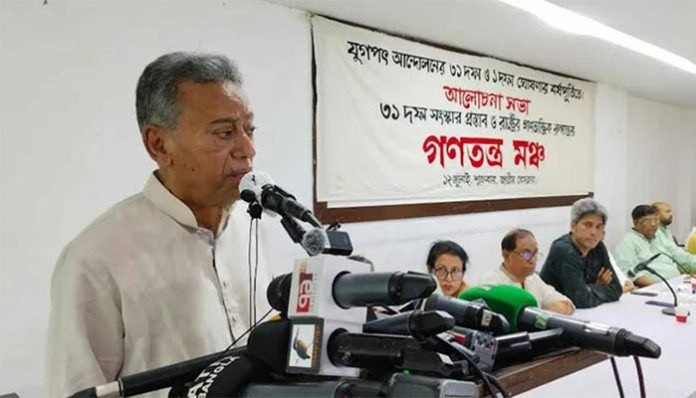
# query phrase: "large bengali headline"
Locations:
[[403, 122]]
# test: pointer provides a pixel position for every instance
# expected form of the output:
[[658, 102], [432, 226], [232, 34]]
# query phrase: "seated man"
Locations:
[[578, 262], [640, 243], [520, 253], [666, 242]]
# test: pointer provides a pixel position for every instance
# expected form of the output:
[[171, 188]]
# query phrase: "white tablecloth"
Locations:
[[671, 375]]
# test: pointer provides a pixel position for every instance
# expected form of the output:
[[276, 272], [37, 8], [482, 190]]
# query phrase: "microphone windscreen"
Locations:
[[278, 292], [315, 241], [247, 195], [506, 300], [254, 181], [269, 343], [226, 377]]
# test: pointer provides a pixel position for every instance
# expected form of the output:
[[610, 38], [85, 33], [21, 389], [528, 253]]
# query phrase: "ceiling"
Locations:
[[496, 29]]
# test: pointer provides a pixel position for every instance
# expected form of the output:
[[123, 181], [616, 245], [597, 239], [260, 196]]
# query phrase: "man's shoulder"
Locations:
[[562, 245], [121, 221], [629, 238], [496, 276]]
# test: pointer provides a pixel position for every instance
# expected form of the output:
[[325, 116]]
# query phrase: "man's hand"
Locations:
[[628, 286], [604, 276], [561, 307]]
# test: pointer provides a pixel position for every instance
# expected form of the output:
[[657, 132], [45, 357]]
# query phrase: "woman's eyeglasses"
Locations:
[[442, 273]]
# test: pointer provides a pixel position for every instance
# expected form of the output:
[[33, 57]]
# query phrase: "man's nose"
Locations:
[[244, 148]]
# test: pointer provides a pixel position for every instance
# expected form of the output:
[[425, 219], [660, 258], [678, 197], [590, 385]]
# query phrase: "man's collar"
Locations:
[[633, 230], [510, 275], [172, 206]]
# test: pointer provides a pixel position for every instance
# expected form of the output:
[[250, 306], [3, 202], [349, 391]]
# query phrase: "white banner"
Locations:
[[402, 122]]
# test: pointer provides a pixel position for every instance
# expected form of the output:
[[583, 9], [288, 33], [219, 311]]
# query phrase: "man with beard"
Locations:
[[666, 242]]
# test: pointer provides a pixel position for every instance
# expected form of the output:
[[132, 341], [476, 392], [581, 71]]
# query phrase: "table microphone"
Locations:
[[519, 307], [643, 266]]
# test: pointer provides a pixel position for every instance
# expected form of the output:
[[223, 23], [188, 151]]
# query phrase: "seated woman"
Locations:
[[447, 262]]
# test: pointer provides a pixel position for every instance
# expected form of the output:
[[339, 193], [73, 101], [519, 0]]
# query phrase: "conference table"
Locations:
[[671, 375]]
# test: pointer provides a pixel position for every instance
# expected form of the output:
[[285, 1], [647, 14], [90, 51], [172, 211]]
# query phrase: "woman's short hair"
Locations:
[[441, 247]]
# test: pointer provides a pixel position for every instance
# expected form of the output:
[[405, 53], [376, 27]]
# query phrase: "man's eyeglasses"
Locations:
[[442, 273], [650, 220], [529, 255]]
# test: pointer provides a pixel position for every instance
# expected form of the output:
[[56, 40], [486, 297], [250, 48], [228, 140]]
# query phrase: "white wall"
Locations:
[[69, 146], [661, 155], [610, 158]]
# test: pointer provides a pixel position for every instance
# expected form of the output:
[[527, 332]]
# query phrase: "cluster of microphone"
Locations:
[[322, 332]]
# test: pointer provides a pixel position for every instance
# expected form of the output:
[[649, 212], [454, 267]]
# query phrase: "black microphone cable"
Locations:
[[639, 371], [256, 265], [253, 225], [487, 378], [236, 340], [616, 376]]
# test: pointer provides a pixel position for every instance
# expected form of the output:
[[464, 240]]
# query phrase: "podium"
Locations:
[[525, 376]]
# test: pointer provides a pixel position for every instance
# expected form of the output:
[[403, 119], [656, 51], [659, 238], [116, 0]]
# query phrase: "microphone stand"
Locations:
[[666, 311], [679, 267]]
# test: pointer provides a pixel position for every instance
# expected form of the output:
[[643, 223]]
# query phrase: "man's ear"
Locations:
[[505, 254], [155, 140]]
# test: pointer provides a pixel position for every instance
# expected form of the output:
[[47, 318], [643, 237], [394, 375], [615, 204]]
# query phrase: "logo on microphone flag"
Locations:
[[305, 291]]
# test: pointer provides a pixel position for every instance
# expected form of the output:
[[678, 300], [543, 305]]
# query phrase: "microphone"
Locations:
[[642, 266], [155, 379], [278, 292], [319, 241], [356, 289], [386, 352], [273, 198], [381, 288], [326, 296], [518, 306], [474, 315], [507, 349], [418, 324], [228, 377]]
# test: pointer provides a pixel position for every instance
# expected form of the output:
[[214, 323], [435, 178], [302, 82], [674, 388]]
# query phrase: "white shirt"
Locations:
[[142, 287], [544, 293]]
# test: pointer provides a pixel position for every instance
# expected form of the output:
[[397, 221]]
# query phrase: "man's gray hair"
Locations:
[[586, 206], [156, 97]]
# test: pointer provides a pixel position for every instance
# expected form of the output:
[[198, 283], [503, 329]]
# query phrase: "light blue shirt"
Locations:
[[635, 248]]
